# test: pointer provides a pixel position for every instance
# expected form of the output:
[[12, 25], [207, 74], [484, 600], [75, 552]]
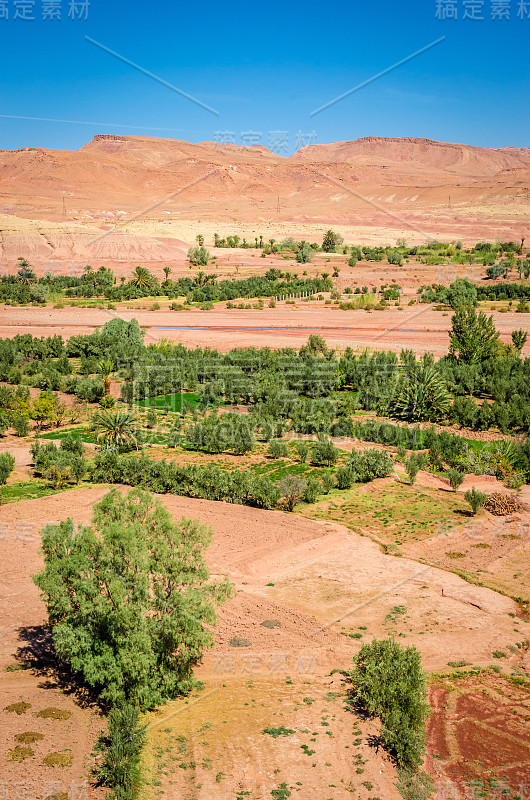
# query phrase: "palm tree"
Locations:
[[519, 340], [422, 394], [106, 367], [141, 278], [167, 271], [25, 273], [116, 429]]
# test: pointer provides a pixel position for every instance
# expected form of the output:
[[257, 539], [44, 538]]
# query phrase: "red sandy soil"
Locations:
[[321, 577], [419, 328], [479, 737], [379, 188]]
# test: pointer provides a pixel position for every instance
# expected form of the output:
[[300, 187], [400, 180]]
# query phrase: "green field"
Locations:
[[83, 433], [171, 402]]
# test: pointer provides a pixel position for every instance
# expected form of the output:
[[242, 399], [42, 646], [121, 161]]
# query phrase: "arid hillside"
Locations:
[[155, 194]]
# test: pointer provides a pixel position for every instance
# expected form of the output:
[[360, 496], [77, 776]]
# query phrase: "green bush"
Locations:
[[475, 499], [278, 449], [21, 425], [456, 478], [370, 464], [121, 747], [7, 465], [388, 682], [324, 454], [302, 448]]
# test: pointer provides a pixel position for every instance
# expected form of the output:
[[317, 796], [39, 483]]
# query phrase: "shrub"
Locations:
[[475, 499], [324, 453], [370, 464], [456, 478], [21, 425], [121, 748], [388, 682], [278, 449], [311, 491], [302, 448], [7, 465], [292, 488], [20, 753], [412, 468]]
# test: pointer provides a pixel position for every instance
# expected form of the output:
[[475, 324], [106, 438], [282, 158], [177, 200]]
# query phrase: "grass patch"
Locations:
[[58, 760], [81, 432], [176, 402], [20, 753], [393, 512], [54, 713], [276, 732], [29, 737], [25, 490], [18, 708]]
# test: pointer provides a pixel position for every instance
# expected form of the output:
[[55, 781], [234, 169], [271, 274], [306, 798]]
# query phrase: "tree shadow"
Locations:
[[38, 654]]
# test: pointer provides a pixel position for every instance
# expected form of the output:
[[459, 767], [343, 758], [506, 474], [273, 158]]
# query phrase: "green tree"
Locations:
[[388, 682], [462, 293], [129, 600], [475, 499], [456, 478], [106, 367], [116, 429], [142, 278], [292, 488], [421, 394], [45, 409], [167, 273], [304, 254], [331, 241], [278, 449], [473, 337], [302, 448], [25, 272], [7, 465], [412, 468], [198, 256], [519, 338], [324, 453]]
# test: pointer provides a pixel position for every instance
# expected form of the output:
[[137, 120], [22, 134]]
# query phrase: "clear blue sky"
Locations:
[[265, 67]]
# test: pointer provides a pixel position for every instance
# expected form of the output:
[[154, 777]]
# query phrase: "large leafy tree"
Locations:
[[130, 602], [473, 337]]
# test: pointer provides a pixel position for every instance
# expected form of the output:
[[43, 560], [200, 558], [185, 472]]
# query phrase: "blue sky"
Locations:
[[264, 67]]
